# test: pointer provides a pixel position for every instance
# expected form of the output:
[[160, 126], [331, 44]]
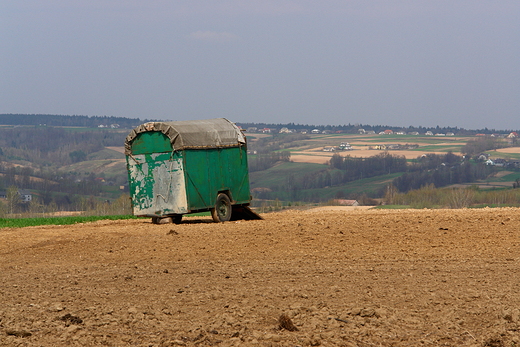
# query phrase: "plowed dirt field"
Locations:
[[342, 278]]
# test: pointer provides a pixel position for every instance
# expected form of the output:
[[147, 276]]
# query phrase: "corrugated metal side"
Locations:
[[157, 185], [211, 171]]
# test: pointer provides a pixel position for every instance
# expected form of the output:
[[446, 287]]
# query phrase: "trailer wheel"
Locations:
[[222, 210], [177, 218]]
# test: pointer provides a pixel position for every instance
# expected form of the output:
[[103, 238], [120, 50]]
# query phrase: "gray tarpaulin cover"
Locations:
[[209, 133]]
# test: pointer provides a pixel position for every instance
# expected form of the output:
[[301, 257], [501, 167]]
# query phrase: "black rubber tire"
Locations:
[[177, 218], [222, 210], [155, 220]]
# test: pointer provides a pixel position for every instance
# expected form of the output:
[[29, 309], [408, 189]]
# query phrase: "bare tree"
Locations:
[[460, 197], [13, 199]]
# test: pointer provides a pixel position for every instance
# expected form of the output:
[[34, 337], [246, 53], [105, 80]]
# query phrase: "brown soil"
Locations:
[[118, 149], [321, 157], [509, 150], [297, 278]]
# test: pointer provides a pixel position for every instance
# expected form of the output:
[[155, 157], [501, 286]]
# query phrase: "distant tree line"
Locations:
[[13, 207], [431, 197], [353, 128], [482, 144], [68, 121], [443, 176], [53, 186], [265, 152], [43, 151], [429, 170], [440, 171], [55, 146], [276, 142], [353, 168], [264, 161]]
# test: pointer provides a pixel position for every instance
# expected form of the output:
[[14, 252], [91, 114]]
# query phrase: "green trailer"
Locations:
[[175, 168]]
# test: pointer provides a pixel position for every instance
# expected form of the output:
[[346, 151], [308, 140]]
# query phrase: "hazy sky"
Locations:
[[394, 62]]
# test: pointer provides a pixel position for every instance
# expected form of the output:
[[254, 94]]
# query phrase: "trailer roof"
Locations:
[[208, 133]]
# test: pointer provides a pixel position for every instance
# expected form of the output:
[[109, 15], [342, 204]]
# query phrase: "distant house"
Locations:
[[329, 149], [284, 131], [450, 134], [361, 131], [413, 133], [315, 131], [500, 162], [410, 146], [345, 146], [388, 132], [344, 202], [25, 195], [428, 133], [483, 156], [512, 135]]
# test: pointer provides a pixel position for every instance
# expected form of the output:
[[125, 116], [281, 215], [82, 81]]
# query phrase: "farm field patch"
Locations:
[[343, 277]]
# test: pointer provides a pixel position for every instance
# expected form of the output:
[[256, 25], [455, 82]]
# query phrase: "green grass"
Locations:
[[27, 222], [198, 214], [503, 155], [511, 177], [106, 154], [369, 186], [30, 222], [428, 143], [492, 205], [110, 167], [277, 175], [439, 148]]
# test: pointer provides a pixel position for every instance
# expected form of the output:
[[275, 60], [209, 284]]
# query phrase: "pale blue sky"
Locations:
[[417, 62]]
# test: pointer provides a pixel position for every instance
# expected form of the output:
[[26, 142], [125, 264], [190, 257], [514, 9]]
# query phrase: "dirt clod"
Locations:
[[70, 319], [286, 323], [18, 333], [494, 342]]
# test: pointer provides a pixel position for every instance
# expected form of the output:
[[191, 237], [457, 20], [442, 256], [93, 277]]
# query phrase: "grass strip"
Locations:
[[27, 222]]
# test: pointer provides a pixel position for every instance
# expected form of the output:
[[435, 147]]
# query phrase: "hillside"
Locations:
[[83, 162]]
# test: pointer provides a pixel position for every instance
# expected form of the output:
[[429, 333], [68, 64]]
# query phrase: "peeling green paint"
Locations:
[[157, 184]]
